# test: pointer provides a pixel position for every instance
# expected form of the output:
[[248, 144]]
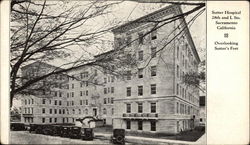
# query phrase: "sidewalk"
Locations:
[[145, 140]]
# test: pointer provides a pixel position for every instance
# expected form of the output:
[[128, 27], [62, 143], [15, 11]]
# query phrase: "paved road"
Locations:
[[24, 137]]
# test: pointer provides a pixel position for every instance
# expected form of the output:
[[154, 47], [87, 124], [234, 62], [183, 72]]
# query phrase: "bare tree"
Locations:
[[45, 31]]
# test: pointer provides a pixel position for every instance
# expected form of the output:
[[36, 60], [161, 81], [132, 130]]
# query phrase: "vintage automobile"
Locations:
[[17, 126], [75, 132], [65, 131], [118, 136], [87, 134], [56, 130], [81, 130]]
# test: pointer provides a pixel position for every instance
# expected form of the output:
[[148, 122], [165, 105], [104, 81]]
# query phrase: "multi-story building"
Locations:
[[153, 98], [62, 98], [44, 101], [151, 95]]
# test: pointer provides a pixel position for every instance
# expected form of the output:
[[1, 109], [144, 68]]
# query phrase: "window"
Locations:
[[87, 102], [128, 91], [67, 95], [72, 103], [112, 79], [140, 38], [153, 70], [87, 93], [140, 90], [140, 55], [177, 107], [50, 111], [128, 75], [44, 101], [154, 35], [55, 102], [140, 73], [43, 120], [140, 108], [177, 53], [72, 86], [178, 71], [112, 111], [55, 111], [112, 89], [153, 125], [85, 74], [55, 93], [153, 52], [128, 122], [60, 111], [128, 108], [80, 93], [153, 89], [55, 119], [140, 125], [63, 111], [177, 89], [25, 102], [86, 111], [29, 101], [72, 94], [104, 111], [153, 107], [73, 111], [87, 83], [105, 90], [128, 42], [112, 100], [60, 102], [80, 112], [104, 101], [43, 110], [50, 120]]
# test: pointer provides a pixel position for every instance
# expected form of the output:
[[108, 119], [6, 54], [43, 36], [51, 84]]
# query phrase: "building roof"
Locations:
[[39, 63], [151, 16]]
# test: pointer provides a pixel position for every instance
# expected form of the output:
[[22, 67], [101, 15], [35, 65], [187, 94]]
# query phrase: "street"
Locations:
[[24, 137]]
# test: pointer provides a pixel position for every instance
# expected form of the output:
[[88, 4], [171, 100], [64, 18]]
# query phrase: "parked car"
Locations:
[[87, 133], [17, 126], [118, 136]]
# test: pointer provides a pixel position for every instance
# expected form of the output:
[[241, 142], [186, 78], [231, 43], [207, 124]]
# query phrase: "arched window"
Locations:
[[104, 111]]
